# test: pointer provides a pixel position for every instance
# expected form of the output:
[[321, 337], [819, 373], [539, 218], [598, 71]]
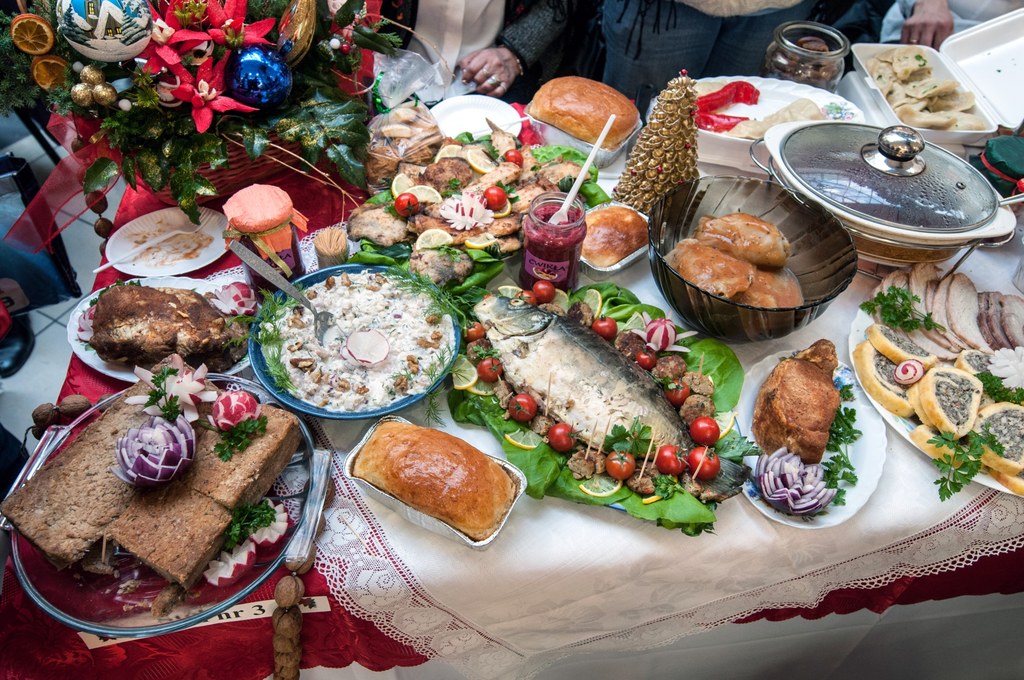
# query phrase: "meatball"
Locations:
[[698, 383], [629, 344], [695, 406], [581, 313], [475, 349], [670, 367]]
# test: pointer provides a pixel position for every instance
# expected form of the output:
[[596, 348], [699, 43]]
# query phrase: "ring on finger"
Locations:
[[492, 81]]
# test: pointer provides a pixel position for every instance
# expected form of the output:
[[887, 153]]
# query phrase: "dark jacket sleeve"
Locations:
[[532, 34]]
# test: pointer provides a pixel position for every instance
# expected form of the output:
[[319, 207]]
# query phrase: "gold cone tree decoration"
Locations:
[[666, 152]]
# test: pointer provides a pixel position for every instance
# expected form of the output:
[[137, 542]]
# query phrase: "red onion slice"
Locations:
[[791, 487]]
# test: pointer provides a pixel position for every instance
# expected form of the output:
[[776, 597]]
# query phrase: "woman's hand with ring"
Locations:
[[493, 69]]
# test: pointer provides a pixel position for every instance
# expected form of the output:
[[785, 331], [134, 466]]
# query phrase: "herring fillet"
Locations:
[[593, 386]]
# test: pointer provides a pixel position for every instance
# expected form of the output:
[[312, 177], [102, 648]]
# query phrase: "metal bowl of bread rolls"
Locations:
[[746, 259], [616, 238]]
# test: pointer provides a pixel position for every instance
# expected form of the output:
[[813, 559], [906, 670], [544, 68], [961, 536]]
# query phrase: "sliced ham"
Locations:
[[938, 309], [962, 311], [995, 320], [920, 276], [1013, 319], [897, 278]]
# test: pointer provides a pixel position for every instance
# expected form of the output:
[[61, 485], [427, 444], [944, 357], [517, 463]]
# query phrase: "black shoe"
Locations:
[[16, 346]]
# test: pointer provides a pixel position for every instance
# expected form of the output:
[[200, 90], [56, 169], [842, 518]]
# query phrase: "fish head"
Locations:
[[512, 317]]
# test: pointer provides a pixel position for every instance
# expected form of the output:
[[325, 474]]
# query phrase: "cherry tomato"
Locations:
[[620, 465], [514, 156], [490, 370], [646, 360], [606, 328], [522, 408], [407, 204], [544, 291], [704, 462], [496, 198], [527, 295], [677, 393], [560, 437], [475, 332], [668, 461], [704, 430]]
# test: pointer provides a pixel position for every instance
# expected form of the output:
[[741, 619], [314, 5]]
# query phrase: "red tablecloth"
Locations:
[[34, 646]]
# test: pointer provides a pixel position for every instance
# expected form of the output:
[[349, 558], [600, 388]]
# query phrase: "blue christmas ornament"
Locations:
[[258, 76]]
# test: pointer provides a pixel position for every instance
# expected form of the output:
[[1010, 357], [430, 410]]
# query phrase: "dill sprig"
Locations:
[[441, 301], [276, 369], [438, 368]]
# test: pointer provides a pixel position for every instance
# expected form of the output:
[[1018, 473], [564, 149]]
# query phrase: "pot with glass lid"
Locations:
[[903, 200]]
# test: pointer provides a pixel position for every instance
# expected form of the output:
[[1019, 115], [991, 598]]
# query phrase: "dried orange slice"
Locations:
[[32, 34], [48, 70]]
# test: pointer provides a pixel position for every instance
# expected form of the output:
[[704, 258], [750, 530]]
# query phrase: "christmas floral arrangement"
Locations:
[[173, 87]]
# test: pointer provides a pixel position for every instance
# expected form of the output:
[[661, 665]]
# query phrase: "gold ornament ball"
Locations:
[[92, 75], [104, 94], [81, 94]]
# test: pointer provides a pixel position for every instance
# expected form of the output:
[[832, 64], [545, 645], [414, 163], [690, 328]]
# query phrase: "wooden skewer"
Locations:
[[593, 434], [607, 426], [586, 452], [700, 368], [547, 397], [647, 455]]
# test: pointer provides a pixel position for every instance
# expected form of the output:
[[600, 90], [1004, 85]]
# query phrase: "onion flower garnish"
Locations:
[[176, 390], [661, 334], [791, 487], [85, 324], [155, 453], [1008, 364], [466, 212], [235, 299], [232, 408]]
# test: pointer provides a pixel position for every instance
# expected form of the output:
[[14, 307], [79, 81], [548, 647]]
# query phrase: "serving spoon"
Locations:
[[322, 321]]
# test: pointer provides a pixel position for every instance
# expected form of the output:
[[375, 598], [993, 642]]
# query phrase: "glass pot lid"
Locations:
[[888, 176]]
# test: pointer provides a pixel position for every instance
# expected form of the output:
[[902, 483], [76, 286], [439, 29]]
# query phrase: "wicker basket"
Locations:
[[241, 171]]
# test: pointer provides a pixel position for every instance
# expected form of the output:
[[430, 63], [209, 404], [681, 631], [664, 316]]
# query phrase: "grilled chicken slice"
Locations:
[[441, 266], [710, 269], [376, 223]]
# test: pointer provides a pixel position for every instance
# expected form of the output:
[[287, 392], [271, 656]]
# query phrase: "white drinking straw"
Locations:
[[562, 216]]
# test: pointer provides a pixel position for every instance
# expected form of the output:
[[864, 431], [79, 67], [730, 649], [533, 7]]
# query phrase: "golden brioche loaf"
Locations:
[[612, 234], [580, 107], [439, 475]]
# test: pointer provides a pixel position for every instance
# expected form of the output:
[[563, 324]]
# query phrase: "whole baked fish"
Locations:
[[593, 386]]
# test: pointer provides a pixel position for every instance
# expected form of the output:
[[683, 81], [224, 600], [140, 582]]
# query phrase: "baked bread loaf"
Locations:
[[1006, 423], [580, 107], [948, 399], [897, 347], [875, 372], [797, 404], [439, 475], [612, 234]]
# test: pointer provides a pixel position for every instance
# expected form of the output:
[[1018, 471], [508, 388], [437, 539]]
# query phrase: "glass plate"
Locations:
[[119, 605]]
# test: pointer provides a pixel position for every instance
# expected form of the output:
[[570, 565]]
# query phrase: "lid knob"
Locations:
[[896, 151]]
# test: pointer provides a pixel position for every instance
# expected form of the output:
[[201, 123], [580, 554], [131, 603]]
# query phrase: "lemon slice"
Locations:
[[464, 373], [505, 211], [725, 421], [482, 388], [600, 486], [524, 439], [635, 323], [651, 499], [593, 300], [432, 239], [509, 291], [448, 151], [561, 299], [401, 183], [424, 193], [480, 242], [480, 161]]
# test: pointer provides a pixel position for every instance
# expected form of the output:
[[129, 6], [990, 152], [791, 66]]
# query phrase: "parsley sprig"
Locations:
[[896, 308], [246, 520], [666, 486], [158, 396], [963, 463], [839, 468], [634, 440], [995, 389], [239, 437]]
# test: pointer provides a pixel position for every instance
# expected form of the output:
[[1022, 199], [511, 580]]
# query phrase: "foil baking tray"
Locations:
[[600, 273], [555, 136], [421, 519]]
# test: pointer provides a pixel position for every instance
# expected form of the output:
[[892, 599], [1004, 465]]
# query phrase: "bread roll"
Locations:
[[949, 399], [581, 107], [439, 475], [612, 234], [897, 347], [875, 372]]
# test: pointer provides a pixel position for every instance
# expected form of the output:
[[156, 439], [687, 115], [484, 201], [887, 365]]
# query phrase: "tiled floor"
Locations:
[[40, 379]]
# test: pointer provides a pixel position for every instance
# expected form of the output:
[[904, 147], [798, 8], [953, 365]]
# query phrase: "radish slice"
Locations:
[[908, 372], [230, 566], [367, 347], [268, 537]]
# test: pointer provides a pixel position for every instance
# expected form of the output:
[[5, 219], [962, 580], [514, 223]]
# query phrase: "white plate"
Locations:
[[904, 426], [721, 149], [178, 254], [88, 355], [867, 454], [470, 113]]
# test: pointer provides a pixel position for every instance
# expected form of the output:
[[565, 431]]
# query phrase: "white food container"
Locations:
[[942, 69]]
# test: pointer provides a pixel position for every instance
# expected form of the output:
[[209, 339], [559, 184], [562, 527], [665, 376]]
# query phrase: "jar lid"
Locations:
[[890, 176]]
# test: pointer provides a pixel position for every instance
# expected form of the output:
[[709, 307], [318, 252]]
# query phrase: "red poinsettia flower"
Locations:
[[172, 36], [228, 27], [204, 92]]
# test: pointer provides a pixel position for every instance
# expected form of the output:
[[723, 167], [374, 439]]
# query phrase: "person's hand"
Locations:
[[930, 23], [493, 69]]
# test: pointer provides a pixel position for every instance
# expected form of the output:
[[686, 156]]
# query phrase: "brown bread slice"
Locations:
[[249, 474], [174, 530], [66, 506]]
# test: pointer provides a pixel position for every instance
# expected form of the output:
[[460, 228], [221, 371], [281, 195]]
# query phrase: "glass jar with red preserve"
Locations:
[[551, 252]]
